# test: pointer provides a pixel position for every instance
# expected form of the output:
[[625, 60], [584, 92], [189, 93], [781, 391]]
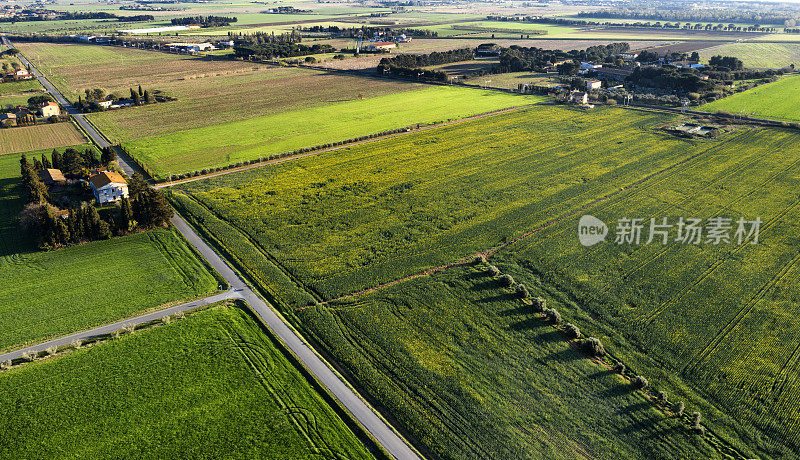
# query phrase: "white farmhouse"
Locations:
[[108, 186]]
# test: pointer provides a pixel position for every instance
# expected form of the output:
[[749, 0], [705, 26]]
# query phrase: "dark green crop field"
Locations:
[[208, 386], [709, 324]]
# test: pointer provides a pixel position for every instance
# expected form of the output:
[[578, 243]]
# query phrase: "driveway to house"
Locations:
[[383, 433]]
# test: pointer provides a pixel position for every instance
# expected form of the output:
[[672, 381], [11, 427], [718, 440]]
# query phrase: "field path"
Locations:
[[373, 422]]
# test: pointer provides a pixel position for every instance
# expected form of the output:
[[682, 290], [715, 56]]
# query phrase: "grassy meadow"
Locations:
[[711, 325], [39, 137], [243, 140], [17, 87], [773, 100], [211, 385], [54, 293]]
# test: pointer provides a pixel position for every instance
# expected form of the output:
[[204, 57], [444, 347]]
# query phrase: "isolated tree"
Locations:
[[539, 305], [619, 368], [107, 155], [662, 396], [697, 428], [572, 331], [140, 91], [491, 270], [506, 280], [594, 346], [148, 99], [137, 100], [479, 259], [553, 315], [522, 291], [639, 382], [678, 408], [56, 159], [133, 94]]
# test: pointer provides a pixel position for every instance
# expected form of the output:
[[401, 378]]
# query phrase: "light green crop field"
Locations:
[[228, 143], [208, 386], [712, 325], [46, 294], [14, 100], [773, 100], [759, 55]]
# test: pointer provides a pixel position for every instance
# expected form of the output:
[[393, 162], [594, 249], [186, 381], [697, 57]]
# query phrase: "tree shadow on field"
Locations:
[[523, 310], [635, 407], [475, 276], [617, 390], [528, 324], [497, 298], [601, 374], [484, 286], [564, 356], [552, 336]]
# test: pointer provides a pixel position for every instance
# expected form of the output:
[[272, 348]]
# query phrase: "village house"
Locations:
[[579, 97], [105, 104], [52, 177], [593, 84], [628, 56], [50, 109], [108, 187]]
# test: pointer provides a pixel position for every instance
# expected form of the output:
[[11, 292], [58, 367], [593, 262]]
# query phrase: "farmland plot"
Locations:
[[773, 100], [45, 294], [426, 199], [708, 323], [211, 385], [38, 137]]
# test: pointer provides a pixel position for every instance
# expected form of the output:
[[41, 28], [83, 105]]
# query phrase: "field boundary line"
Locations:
[[298, 156]]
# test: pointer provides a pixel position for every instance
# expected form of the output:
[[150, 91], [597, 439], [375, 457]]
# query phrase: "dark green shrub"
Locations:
[[639, 382], [491, 270], [593, 346], [678, 407], [522, 291], [506, 280], [552, 315], [619, 368], [539, 304]]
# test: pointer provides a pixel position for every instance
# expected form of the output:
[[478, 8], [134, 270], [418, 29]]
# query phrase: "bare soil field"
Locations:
[[39, 137]]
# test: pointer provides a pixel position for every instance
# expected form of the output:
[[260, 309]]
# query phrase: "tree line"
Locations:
[[91, 98], [702, 15], [280, 50], [410, 65], [204, 21], [354, 32], [145, 208], [519, 58], [263, 38]]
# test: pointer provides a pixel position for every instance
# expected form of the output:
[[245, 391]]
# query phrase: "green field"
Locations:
[[54, 293], [711, 325], [775, 101], [17, 87], [208, 386], [759, 55], [228, 143]]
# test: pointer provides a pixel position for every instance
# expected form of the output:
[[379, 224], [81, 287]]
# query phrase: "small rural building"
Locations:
[[579, 97], [50, 109], [52, 176], [108, 187], [628, 56], [593, 84], [105, 104], [380, 46], [590, 66], [24, 115], [8, 119]]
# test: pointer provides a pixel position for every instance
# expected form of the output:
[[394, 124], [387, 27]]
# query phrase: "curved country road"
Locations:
[[383, 433]]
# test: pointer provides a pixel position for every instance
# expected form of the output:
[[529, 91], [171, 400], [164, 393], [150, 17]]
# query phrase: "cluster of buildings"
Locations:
[[17, 75], [26, 116]]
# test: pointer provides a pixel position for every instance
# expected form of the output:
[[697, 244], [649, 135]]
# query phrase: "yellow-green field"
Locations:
[[775, 101], [758, 55]]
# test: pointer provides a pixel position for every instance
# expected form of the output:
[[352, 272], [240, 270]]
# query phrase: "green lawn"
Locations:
[[710, 325], [211, 385], [773, 100], [244, 140], [17, 87], [54, 293]]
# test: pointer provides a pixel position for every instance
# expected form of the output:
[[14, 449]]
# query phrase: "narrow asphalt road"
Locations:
[[365, 414]]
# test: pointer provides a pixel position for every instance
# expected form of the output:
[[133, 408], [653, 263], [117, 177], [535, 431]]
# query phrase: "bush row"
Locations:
[[592, 346], [204, 171]]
